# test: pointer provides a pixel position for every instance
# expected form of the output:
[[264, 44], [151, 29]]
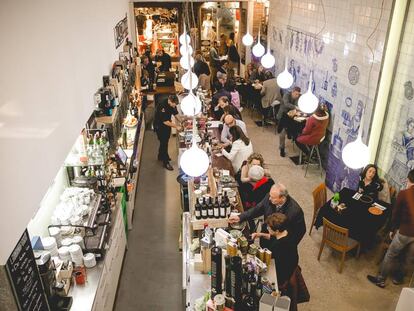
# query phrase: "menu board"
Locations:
[[25, 277]]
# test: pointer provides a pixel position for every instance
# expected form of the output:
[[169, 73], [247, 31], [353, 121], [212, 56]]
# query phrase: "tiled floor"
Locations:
[[151, 277]]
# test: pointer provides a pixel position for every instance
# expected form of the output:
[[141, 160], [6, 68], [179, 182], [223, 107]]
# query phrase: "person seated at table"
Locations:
[[283, 246], [241, 148], [145, 80], [165, 60], [270, 92], [224, 104], [369, 181], [314, 130], [254, 159], [235, 96], [228, 122], [289, 102], [251, 73], [277, 200], [257, 188], [224, 65]]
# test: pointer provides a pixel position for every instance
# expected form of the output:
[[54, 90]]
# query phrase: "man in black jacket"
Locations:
[[278, 200]]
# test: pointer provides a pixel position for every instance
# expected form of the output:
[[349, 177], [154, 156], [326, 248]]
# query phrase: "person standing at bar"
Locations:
[[402, 236], [165, 60], [215, 62], [163, 125]]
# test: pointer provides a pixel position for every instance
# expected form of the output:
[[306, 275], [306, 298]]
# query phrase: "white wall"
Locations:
[[53, 56]]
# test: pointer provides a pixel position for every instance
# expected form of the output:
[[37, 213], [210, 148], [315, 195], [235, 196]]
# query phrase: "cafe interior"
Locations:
[[238, 155]]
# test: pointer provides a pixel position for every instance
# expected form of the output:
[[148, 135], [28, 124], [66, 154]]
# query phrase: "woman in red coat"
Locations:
[[314, 130]]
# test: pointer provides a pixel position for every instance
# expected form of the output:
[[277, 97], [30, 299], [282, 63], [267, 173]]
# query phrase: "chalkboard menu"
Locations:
[[25, 278]]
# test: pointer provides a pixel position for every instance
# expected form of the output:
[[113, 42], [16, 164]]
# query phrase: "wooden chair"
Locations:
[[319, 199], [338, 238]]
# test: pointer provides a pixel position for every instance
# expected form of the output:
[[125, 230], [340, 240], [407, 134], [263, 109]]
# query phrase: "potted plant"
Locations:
[[335, 200]]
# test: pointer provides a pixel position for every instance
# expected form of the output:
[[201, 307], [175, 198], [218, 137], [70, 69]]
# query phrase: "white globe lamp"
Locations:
[[186, 49], [285, 78], [194, 161], [189, 84], [183, 39], [258, 50], [268, 60], [190, 105], [186, 63], [247, 39], [308, 102], [356, 154]]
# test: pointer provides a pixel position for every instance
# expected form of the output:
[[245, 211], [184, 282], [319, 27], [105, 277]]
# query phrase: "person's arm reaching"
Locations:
[[224, 136], [256, 211], [235, 148]]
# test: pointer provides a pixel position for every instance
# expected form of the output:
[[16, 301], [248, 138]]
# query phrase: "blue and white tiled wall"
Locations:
[[396, 153], [340, 61]]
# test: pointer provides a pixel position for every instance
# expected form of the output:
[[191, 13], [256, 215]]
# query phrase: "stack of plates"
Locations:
[[55, 233], [89, 260], [77, 239], [50, 245], [66, 242], [76, 254], [64, 253]]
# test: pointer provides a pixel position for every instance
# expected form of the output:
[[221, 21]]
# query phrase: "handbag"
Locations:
[[303, 294]]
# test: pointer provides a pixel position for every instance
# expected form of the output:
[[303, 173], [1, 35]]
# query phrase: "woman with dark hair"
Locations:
[[241, 148], [314, 130], [283, 247], [370, 183]]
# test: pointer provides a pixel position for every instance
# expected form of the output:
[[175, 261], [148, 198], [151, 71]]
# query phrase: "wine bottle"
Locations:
[[236, 279], [228, 205], [204, 214], [222, 208], [197, 208], [216, 209], [259, 288], [216, 272], [210, 210], [227, 283]]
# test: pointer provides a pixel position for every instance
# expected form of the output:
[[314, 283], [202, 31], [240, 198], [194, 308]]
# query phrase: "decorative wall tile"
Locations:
[[348, 25]]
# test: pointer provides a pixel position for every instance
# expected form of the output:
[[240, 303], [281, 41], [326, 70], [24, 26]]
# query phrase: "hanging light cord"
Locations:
[[371, 49]]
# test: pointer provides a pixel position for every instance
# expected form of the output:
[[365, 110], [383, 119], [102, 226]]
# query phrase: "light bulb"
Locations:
[[184, 62], [247, 39], [182, 39], [285, 79], [190, 105], [308, 102], [185, 80], [356, 154], [268, 60], [258, 50], [185, 50], [194, 161]]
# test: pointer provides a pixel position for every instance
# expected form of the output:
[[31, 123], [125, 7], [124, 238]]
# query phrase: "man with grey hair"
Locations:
[[277, 200]]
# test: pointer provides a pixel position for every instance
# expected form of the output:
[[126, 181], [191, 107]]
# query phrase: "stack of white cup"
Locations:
[[64, 254], [77, 239], [50, 245], [76, 254], [66, 242], [89, 260], [55, 233]]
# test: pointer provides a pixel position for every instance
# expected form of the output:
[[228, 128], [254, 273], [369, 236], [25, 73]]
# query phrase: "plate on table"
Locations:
[[366, 199], [375, 210]]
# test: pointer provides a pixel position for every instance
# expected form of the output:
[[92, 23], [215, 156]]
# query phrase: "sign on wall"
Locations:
[[121, 31]]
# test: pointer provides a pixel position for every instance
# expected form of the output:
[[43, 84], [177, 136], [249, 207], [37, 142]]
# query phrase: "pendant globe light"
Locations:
[[186, 62], [285, 78], [308, 102], [194, 161], [189, 80], [184, 50], [247, 39], [258, 50], [268, 60], [184, 38], [190, 105], [356, 154]]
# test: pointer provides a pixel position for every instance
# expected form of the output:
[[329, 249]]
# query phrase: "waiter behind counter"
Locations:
[[277, 201]]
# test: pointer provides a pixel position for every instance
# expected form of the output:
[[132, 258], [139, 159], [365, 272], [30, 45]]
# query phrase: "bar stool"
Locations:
[[315, 148]]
